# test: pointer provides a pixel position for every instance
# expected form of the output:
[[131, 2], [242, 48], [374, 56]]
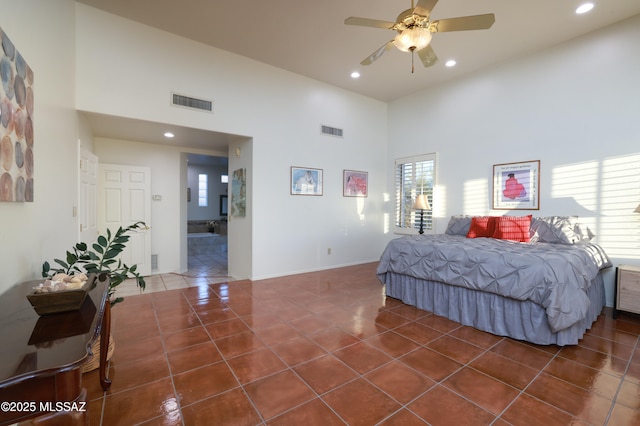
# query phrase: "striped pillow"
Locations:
[[513, 228]]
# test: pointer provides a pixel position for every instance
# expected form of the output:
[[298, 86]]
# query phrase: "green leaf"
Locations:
[[61, 263], [117, 246], [45, 269], [116, 300], [102, 241], [116, 280], [91, 268], [81, 246], [71, 258], [110, 254], [98, 248]]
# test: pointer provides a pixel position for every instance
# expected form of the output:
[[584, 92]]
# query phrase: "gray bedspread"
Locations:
[[555, 276]]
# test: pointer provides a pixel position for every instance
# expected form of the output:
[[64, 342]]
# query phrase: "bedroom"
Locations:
[[530, 128], [558, 106]]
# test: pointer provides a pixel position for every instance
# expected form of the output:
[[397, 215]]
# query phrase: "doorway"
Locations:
[[207, 236]]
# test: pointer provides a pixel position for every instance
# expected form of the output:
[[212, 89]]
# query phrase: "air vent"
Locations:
[[331, 131], [189, 102]]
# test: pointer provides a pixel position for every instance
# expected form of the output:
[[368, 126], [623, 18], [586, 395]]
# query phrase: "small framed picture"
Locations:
[[355, 183], [516, 186], [306, 181]]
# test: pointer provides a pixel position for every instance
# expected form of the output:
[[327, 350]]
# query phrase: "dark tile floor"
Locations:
[[327, 348]]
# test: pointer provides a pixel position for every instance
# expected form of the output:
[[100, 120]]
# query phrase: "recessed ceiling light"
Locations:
[[168, 135], [450, 63], [355, 74], [584, 8]]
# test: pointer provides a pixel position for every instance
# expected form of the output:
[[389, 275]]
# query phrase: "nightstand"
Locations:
[[627, 296]]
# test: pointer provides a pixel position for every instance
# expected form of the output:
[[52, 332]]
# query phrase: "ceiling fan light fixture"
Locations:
[[413, 39]]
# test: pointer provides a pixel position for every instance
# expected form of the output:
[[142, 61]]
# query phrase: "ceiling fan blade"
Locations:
[[366, 22], [424, 7], [475, 22], [427, 56], [375, 55]]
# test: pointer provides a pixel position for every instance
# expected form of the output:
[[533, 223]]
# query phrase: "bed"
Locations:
[[546, 288]]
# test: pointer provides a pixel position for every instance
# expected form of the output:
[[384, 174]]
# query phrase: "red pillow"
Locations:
[[482, 226], [513, 228]]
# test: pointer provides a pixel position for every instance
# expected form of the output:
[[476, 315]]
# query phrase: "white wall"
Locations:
[[240, 235], [128, 69], [573, 107], [30, 233]]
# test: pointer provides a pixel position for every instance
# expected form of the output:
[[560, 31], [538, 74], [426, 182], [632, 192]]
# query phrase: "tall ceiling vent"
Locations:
[[193, 103], [330, 131]]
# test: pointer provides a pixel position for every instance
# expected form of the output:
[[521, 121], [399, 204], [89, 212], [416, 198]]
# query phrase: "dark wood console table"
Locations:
[[41, 356]]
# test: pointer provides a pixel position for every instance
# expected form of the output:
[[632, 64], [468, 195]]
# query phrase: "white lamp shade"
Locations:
[[421, 203], [415, 38]]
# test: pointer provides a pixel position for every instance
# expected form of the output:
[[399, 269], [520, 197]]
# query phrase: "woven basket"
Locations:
[[94, 362]]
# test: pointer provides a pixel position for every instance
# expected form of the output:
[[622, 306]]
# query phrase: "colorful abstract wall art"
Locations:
[[239, 193], [16, 125]]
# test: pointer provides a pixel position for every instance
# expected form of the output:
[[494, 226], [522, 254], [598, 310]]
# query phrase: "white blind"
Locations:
[[414, 176]]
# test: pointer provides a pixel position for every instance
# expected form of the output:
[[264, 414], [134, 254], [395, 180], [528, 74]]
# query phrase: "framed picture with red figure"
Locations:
[[516, 186], [355, 183]]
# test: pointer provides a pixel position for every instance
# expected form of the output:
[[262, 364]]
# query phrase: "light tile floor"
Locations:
[[202, 270]]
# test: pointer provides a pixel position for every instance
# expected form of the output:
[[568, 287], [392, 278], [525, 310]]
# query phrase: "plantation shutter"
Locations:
[[414, 176]]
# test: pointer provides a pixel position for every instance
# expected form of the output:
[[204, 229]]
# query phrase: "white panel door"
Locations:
[[125, 198], [88, 204]]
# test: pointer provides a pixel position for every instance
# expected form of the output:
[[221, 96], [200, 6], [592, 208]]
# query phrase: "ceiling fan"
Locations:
[[415, 29]]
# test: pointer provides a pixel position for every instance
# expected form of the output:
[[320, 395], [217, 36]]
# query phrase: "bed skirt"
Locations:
[[521, 320]]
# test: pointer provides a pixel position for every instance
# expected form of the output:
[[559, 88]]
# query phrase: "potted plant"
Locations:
[[101, 257]]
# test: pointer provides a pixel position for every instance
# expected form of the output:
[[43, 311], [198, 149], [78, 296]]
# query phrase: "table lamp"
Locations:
[[422, 204]]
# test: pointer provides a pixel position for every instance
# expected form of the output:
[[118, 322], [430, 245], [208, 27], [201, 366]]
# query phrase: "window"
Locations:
[[414, 176], [224, 179], [203, 190]]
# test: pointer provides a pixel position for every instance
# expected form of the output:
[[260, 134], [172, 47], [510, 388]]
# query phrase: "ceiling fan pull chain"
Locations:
[[412, 55]]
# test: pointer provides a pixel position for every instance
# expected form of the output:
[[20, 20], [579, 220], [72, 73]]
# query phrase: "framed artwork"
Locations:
[[239, 193], [306, 181], [355, 183], [516, 186], [16, 125]]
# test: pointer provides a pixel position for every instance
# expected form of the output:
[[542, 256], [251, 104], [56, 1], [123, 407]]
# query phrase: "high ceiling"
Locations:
[[311, 39]]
